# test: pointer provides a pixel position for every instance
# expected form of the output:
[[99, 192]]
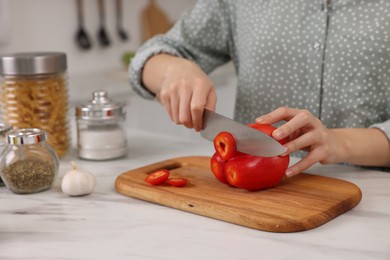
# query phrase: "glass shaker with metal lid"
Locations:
[[4, 128], [28, 164], [100, 133]]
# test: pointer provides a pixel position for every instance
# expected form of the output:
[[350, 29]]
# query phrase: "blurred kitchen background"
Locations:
[[51, 25]]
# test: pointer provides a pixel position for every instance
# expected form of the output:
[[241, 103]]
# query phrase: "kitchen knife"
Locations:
[[249, 140]]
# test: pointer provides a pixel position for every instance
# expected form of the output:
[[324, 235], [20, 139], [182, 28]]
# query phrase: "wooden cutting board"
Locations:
[[300, 203], [154, 21]]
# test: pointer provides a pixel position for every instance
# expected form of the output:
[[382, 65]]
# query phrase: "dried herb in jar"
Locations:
[[29, 175]]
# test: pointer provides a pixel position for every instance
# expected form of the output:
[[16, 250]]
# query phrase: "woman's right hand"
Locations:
[[182, 88]]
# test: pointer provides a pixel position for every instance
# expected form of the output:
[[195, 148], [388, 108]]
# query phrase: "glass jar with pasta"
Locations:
[[34, 94]]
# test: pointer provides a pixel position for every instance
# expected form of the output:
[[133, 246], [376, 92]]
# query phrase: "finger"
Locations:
[[210, 105], [279, 114], [174, 98], [312, 158], [302, 142], [165, 100], [185, 116], [301, 119], [211, 100], [199, 101]]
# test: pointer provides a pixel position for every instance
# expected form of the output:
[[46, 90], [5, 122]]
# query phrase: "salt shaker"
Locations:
[[4, 128], [100, 133], [28, 164]]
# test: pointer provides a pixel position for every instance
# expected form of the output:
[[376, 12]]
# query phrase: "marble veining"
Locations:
[[108, 225]]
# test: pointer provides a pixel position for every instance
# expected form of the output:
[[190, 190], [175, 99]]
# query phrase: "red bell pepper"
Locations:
[[177, 182], [225, 145], [255, 172], [243, 170], [218, 168], [157, 177]]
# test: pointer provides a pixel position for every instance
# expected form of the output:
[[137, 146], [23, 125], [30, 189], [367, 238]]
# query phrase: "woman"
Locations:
[[322, 67]]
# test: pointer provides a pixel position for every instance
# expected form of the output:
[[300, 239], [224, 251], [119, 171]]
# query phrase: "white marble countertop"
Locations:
[[108, 225]]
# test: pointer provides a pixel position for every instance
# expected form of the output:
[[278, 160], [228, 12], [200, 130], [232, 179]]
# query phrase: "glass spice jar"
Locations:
[[28, 164], [34, 94], [4, 128], [100, 133]]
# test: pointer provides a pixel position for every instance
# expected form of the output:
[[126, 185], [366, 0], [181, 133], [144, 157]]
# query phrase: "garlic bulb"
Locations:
[[77, 183]]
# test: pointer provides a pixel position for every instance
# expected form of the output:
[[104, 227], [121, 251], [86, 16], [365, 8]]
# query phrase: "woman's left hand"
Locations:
[[303, 131]]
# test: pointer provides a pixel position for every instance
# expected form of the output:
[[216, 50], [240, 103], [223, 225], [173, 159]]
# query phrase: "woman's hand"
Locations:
[[359, 146], [182, 88], [304, 132]]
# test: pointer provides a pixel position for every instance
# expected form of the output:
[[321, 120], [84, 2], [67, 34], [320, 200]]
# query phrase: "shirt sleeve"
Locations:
[[384, 127], [201, 35]]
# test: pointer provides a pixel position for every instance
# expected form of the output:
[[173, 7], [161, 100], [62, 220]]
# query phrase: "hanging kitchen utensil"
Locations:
[[119, 26], [103, 37], [82, 38], [154, 21]]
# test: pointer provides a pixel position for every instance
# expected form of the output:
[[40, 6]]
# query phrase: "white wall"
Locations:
[[50, 25]]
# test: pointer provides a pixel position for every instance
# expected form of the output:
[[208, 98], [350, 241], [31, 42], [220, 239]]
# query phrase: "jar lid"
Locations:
[[25, 136], [31, 63], [4, 128], [100, 108]]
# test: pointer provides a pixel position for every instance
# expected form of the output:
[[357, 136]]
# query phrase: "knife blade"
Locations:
[[249, 140]]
